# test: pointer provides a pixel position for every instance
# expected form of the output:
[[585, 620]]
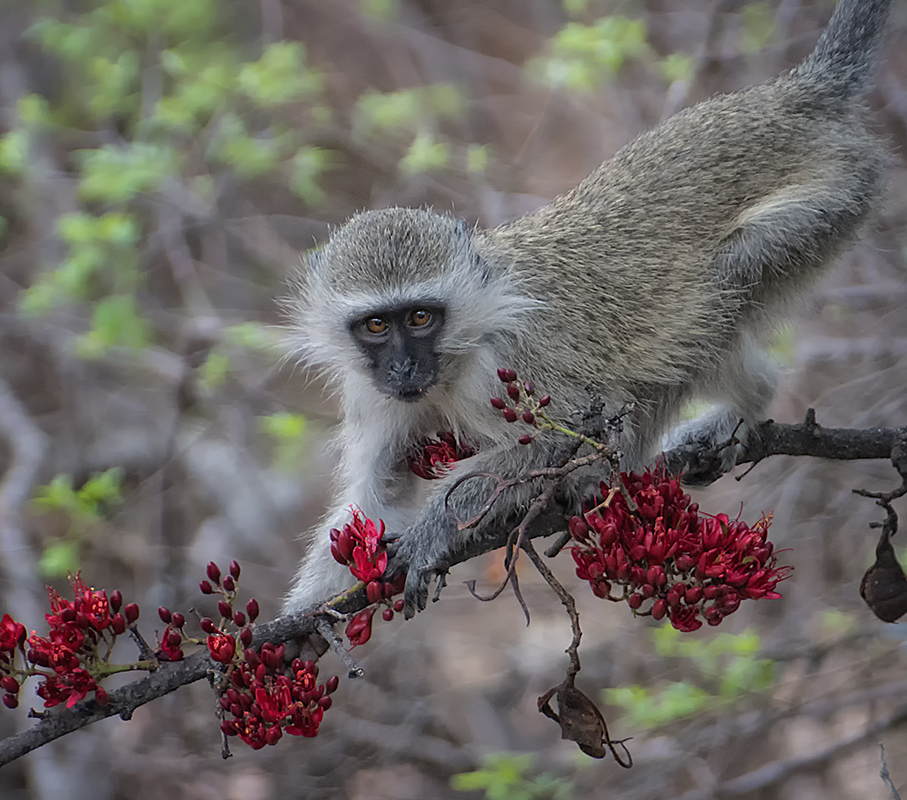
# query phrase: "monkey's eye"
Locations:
[[376, 325], [419, 318]]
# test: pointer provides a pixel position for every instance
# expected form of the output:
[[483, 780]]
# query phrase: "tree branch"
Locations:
[[770, 438]]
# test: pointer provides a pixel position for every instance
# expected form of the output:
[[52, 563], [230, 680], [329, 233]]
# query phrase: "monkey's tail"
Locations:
[[846, 53]]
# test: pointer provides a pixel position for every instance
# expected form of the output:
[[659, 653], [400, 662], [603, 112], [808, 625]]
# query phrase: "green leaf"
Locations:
[[306, 166], [253, 335], [33, 110], [14, 147], [102, 489], [115, 323], [116, 84], [249, 156], [576, 7], [758, 27], [471, 781], [477, 158], [280, 76], [677, 67], [213, 373], [60, 559], [116, 174], [58, 495], [382, 10], [284, 425], [425, 155]]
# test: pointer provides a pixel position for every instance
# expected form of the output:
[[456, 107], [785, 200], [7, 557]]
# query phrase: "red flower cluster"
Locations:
[[360, 546], [12, 638], [266, 699], [520, 402], [431, 457], [691, 567], [70, 651]]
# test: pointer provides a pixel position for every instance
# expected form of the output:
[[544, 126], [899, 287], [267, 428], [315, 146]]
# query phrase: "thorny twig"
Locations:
[[579, 718], [885, 499]]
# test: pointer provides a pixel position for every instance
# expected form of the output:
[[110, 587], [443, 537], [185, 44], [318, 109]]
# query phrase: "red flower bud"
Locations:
[[399, 605], [10, 701], [213, 572], [513, 392], [228, 727], [234, 570], [245, 636], [100, 695], [578, 528], [178, 620], [224, 609], [239, 619], [388, 614], [116, 600], [525, 439], [509, 415], [498, 403], [252, 609], [205, 587], [528, 417], [164, 613], [693, 595], [118, 624], [9, 684], [659, 609], [131, 612], [229, 584], [529, 388], [207, 625], [331, 685], [506, 375], [544, 401], [374, 591], [325, 703], [634, 601]]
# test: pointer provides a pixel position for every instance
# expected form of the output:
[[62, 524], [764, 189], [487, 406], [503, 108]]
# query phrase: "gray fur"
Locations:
[[654, 281]]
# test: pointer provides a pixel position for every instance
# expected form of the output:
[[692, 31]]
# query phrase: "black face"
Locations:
[[401, 345]]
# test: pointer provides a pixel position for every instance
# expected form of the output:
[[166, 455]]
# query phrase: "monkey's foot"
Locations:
[[709, 447], [707, 465]]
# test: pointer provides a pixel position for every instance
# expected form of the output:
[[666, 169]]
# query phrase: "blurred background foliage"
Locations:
[[163, 163]]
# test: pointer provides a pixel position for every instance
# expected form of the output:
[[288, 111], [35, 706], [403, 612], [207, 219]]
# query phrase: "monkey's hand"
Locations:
[[422, 553]]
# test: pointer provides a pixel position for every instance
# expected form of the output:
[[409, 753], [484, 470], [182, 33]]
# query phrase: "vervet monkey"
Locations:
[[656, 280]]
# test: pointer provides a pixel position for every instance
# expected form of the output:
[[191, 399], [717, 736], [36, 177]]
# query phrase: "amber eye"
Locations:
[[420, 318], [376, 325]]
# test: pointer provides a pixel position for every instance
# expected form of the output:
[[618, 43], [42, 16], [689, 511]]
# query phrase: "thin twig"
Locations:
[[886, 778], [333, 639]]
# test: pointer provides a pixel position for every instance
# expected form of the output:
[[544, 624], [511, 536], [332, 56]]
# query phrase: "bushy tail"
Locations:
[[846, 53]]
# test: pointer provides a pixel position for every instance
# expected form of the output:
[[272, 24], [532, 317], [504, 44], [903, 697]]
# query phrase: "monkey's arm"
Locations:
[[444, 523]]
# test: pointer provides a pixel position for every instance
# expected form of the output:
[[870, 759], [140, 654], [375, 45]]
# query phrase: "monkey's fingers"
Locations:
[[415, 593]]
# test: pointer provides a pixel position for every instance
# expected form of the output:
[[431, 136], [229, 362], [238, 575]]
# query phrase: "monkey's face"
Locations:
[[401, 346]]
